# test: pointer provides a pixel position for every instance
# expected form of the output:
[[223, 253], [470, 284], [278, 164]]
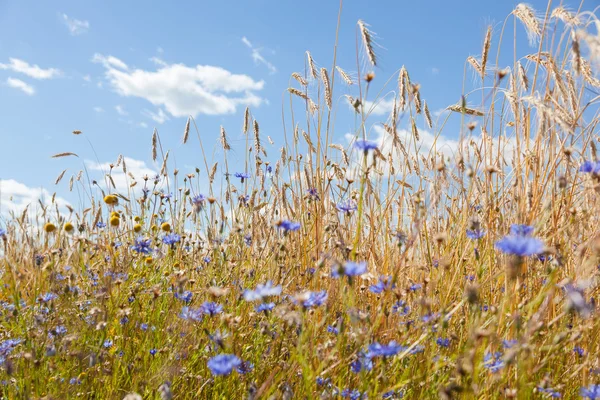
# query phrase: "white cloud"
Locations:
[[136, 168], [181, 89], [32, 71], [258, 57], [87, 78], [121, 110], [382, 106], [158, 61], [15, 196], [143, 125], [435, 70], [19, 84], [159, 116], [75, 26], [99, 109]]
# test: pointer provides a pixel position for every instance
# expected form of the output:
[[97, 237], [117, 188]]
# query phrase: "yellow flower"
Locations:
[[154, 228], [166, 227], [111, 199], [115, 221], [137, 228], [137, 218], [115, 214], [68, 227], [49, 227], [148, 260]]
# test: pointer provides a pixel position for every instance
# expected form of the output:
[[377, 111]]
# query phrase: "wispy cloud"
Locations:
[[32, 71], [136, 169], [19, 84], [99, 109], [258, 57], [121, 110], [15, 196], [181, 89], [75, 26], [159, 117]]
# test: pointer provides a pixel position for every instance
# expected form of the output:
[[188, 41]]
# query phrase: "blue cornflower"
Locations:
[[414, 287], [185, 296], [171, 239], [6, 347], [75, 381], [385, 350], [2, 232], [350, 268], [223, 364], [550, 392], [321, 381], [362, 363], [579, 351], [443, 342], [507, 344], [248, 240], [401, 308], [475, 234], [288, 226], [393, 394], [365, 145], [124, 320], [206, 259], [198, 202], [144, 326], [347, 206], [353, 394], [265, 307], [153, 352], [46, 297], [191, 314], [518, 245], [242, 176], [384, 283], [100, 225], [245, 367], [521, 230], [142, 245], [591, 392], [592, 167], [333, 329], [493, 362], [211, 308], [315, 299], [313, 193], [108, 343], [58, 331], [261, 291]]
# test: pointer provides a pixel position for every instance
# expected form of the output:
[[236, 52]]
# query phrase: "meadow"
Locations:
[[397, 265]]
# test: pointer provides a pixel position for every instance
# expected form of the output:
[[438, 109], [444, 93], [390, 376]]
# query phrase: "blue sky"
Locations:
[[116, 70]]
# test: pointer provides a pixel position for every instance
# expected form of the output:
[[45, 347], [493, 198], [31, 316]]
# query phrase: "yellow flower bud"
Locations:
[[49, 227], [137, 228], [111, 199], [115, 221], [166, 227], [68, 227]]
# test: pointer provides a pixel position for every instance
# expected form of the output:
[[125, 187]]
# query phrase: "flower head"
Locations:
[[475, 234], [591, 392], [288, 226], [365, 145], [591, 167], [211, 308], [171, 239], [315, 299], [518, 245], [521, 230], [223, 364], [242, 176], [347, 206], [261, 291], [385, 350], [350, 268], [142, 245]]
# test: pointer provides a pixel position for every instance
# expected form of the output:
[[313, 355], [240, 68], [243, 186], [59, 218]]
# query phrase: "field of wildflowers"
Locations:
[[386, 268]]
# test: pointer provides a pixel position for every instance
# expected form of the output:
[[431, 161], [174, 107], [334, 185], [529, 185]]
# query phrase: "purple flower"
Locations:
[[350, 268], [347, 206], [261, 291], [211, 308], [46, 297], [315, 299], [223, 364], [191, 314], [521, 230], [518, 245], [198, 202], [591, 392], [171, 239], [245, 367], [242, 176], [385, 350], [493, 362], [475, 234], [550, 392], [365, 145], [186, 296], [443, 342], [384, 283], [362, 363], [142, 245], [312, 192], [591, 167], [265, 307], [2, 232], [333, 329], [288, 226]]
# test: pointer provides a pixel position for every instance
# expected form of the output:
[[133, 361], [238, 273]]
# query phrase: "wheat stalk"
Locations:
[[325, 79], [367, 40]]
